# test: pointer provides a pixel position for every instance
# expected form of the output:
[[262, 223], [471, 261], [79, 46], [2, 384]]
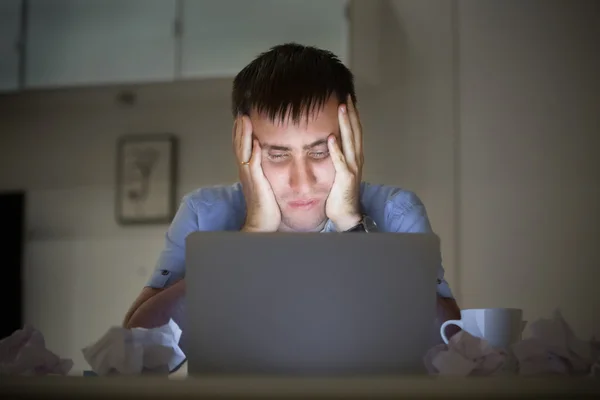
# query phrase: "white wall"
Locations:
[[417, 114], [529, 172], [82, 270]]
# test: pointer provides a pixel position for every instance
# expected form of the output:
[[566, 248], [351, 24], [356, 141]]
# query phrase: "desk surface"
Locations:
[[298, 388]]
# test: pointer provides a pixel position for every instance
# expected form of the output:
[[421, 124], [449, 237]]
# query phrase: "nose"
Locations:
[[302, 177]]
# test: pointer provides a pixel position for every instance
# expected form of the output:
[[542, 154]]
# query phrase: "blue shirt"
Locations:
[[223, 208]]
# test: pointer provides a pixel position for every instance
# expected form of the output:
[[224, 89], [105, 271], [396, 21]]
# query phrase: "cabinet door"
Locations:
[[10, 23], [86, 42], [220, 37]]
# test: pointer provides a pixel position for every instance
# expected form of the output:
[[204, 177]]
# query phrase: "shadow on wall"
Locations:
[[414, 114], [379, 107]]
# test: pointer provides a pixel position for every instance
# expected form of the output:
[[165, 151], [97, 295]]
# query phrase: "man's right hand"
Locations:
[[262, 210]]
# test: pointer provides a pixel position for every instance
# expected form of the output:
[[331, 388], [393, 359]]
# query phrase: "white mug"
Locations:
[[500, 327]]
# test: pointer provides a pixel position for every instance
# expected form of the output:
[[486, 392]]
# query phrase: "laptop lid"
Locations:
[[310, 304]]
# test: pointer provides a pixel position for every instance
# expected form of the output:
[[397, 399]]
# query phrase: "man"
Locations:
[[298, 142]]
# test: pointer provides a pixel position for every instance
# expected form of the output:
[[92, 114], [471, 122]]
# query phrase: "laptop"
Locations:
[[310, 304]]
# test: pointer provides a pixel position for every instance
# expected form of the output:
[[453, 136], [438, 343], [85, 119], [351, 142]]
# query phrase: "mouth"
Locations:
[[303, 204]]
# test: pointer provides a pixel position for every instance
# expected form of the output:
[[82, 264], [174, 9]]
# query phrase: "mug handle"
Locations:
[[456, 322]]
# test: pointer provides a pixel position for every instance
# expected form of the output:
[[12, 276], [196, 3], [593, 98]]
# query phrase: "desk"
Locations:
[[296, 388]]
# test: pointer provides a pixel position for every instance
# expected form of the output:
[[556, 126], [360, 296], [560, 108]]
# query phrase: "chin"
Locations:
[[300, 223]]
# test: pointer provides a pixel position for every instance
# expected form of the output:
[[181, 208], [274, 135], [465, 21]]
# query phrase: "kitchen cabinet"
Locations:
[[106, 42], [91, 42], [220, 37], [10, 25]]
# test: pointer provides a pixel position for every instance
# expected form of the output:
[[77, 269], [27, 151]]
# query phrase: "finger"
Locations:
[[246, 140], [256, 162], [233, 129], [346, 135], [351, 104], [338, 158], [235, 135], [356, 127]]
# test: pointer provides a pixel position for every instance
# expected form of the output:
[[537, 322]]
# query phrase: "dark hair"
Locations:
[[291, 80]]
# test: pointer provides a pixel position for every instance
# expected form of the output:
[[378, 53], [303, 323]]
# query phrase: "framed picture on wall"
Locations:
[[146, 179]]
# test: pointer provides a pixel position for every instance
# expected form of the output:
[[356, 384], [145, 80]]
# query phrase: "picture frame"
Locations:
[[146, 178]]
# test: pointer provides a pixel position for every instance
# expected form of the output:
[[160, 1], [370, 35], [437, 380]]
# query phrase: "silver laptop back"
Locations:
[[309, 304]]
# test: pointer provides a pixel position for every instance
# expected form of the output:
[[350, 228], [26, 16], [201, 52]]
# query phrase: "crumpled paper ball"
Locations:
[[553, 348], [136, 351], [465, 355], [25, 353]]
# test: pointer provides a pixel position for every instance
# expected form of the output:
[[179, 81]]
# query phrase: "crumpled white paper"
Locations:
[[136, 351], [553, 348], [465, 355], [25, 353]]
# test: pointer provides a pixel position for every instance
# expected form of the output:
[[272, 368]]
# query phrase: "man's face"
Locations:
[[296, 162]]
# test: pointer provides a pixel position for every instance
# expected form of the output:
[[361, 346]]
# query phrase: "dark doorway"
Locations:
[[12, 215]]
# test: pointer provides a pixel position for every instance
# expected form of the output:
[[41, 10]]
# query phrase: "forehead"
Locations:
[[319, 124]]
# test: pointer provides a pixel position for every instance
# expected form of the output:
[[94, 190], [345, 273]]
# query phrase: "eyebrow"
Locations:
[[286, 148]]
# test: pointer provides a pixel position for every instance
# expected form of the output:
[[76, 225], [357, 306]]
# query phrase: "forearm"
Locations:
[[160, 308], [144, 296]]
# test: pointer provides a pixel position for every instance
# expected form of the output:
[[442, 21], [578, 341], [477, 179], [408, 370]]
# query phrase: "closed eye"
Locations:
[[277, 157], [319, 154]]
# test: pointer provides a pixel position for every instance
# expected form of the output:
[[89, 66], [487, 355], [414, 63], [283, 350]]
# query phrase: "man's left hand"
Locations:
[[343, 203]]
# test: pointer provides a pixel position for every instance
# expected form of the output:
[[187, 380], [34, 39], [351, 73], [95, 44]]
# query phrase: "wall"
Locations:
[[529, 172], [417, 113], [82, 269]]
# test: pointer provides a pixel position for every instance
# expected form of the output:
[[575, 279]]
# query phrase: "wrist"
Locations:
[[347, 222]]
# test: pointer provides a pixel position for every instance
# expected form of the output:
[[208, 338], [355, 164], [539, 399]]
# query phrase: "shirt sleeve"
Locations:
[[170, 266], [409, 215]]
